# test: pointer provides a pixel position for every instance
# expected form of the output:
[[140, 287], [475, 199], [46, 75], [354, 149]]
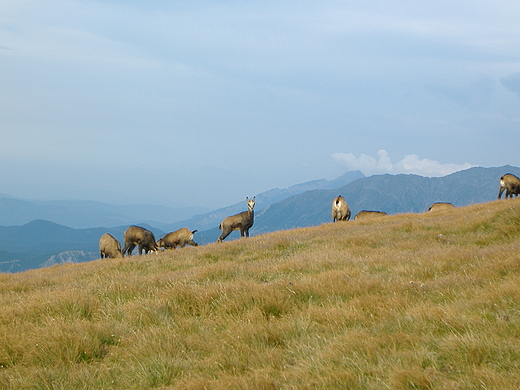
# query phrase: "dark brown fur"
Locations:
[[136, 235], [109, 246], [181, 237]]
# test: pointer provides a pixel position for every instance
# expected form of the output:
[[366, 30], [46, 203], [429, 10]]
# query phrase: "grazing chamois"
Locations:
[[136, 235], [439, 206], [340, 209], [241, 221], [181, 237], [511, 184], [365, 214], [109, 246]]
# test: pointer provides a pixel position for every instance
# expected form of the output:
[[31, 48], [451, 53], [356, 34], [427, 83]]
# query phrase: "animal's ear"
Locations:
[[247, 199]]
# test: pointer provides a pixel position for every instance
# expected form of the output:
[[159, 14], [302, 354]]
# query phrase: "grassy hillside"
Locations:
[[412, 301], [389, 193]]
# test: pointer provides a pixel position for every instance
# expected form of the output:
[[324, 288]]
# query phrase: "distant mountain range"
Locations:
[[79, 214], [213, 218], [390, 193], [54, 232], [42, 243]]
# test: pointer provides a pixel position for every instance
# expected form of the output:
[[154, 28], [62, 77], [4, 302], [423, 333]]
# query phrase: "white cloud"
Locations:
[[411, 164]]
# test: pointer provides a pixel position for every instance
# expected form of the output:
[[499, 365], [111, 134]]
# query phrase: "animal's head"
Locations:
[[251, 203]]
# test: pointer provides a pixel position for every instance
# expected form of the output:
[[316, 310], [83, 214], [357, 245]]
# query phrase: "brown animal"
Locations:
[[241, 221], [439, 206], [340, 209], [511, 184], [363, 214], [136, 235], [109, 247], [181, 237]]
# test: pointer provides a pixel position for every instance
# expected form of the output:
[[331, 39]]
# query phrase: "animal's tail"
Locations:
[[220, 227], [194, 231]]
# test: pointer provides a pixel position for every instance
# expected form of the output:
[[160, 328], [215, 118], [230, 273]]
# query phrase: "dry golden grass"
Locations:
[[415, 301]]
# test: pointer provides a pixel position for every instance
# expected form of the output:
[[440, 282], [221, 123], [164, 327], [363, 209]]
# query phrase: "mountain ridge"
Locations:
[[81, 214], [401, 193]]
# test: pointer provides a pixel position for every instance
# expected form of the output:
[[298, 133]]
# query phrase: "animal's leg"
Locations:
[[224, 234], [130, 249]]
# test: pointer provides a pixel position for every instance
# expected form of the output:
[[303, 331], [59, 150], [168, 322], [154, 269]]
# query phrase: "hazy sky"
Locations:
[[207, 102]]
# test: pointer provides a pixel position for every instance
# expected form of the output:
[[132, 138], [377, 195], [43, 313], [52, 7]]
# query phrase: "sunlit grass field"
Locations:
[[410, 301]]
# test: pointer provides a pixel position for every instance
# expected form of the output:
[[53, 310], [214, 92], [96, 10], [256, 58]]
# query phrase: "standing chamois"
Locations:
[[340, 209], [241, 221]]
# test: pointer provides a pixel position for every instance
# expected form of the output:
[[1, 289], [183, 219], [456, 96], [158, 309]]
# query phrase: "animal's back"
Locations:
[[440, 206], [369, 214]]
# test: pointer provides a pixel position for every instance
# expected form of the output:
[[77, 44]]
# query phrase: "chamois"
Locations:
[[136, 235], [439, 206], [241, 221], [511, 184], [181, 237], [109, 246], [340, 209], [363, 214]]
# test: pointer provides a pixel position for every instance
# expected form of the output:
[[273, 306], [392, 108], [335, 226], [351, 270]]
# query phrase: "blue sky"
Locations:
[[207, 102]]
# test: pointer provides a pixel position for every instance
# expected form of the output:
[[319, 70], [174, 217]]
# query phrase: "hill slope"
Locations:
[[425, 301], [390, 193]]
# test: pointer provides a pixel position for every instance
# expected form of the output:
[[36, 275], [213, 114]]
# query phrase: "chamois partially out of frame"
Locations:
[[511, 184]]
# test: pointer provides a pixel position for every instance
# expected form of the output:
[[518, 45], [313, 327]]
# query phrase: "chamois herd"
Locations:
[[144, 239]]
